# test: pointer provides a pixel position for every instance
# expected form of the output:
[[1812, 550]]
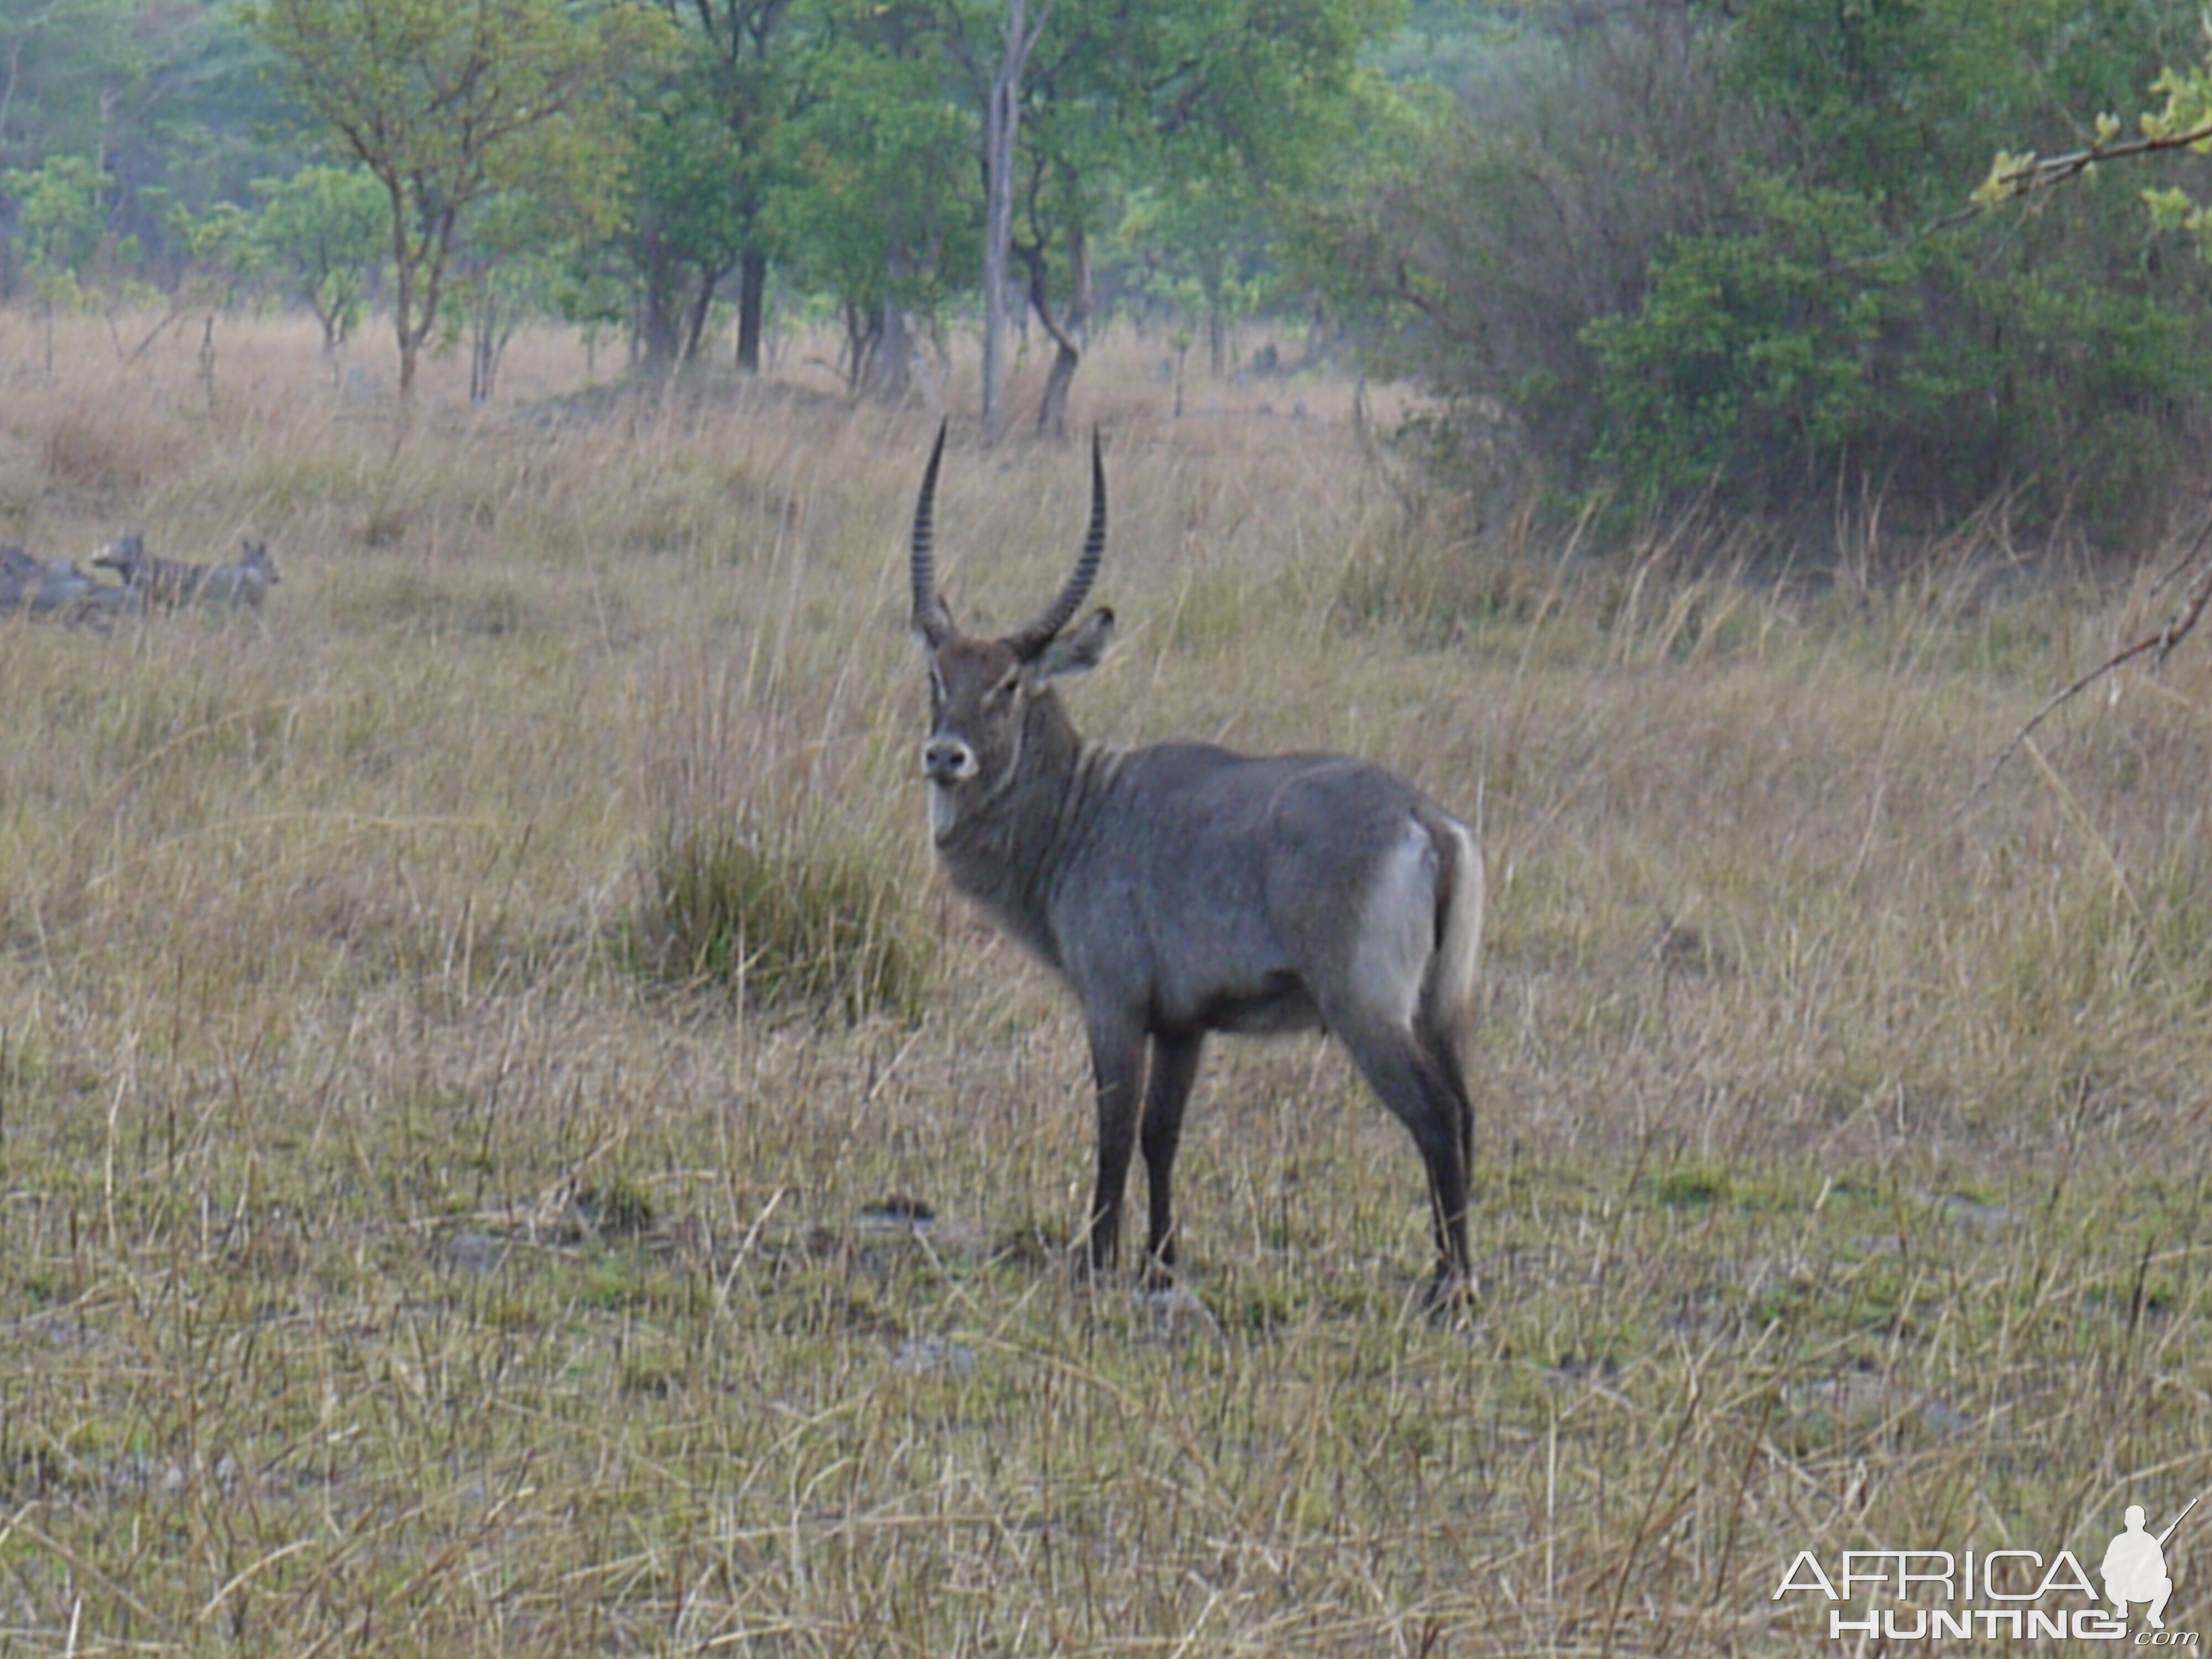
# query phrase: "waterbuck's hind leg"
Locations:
[[1117, 1064], [1443, 1052], [1421, 1095], [1455, 1282], [1175, 1066]]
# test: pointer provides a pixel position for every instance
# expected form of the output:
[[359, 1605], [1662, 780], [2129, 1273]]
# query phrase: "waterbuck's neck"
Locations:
[[1007, 849]]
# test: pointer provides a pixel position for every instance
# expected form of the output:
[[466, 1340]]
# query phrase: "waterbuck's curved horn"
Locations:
[[1040, 632], [931, 618]]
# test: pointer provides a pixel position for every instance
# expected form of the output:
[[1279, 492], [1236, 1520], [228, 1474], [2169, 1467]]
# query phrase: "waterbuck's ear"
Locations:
[[1072, 654]]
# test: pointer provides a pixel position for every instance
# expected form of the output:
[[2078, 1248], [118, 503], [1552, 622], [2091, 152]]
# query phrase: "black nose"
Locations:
[[946, 760]]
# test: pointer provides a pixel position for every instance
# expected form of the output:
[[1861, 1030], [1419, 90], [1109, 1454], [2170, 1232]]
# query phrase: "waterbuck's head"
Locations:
[[989, 700]]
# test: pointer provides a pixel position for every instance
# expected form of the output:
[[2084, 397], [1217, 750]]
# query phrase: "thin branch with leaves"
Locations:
[[2015, 176]]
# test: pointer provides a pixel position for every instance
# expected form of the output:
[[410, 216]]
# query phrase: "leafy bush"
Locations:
[[1679, 249], [1749, 357]]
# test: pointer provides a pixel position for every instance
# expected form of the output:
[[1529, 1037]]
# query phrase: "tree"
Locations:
[[1002, 108], [1667, 249], [2184, 123], [169, 96], [881, 211], [516, 261], [1203, 247], [688, 222], [449, 102], [64, 218], [1248, 95], [64, 63], [748, 71], [324, 229]]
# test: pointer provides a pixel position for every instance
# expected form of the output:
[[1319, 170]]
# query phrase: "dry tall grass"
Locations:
[[387, 1266]]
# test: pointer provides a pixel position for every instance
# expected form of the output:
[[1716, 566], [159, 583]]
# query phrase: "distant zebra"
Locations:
[[168, 583]]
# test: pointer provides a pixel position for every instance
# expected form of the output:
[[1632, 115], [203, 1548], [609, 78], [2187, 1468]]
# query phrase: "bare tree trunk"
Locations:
[[864, 333], [206, 362], [695, 327], [402, 305], [661, 334], [1213, 280], [660, 316], [752, 296], [419, 280], [480, 352], [1067, 335], [894, 355], [493, 327], [1001, 119], [888, 374]]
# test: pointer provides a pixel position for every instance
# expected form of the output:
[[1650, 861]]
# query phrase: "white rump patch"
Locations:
[[1459, 952], [1397, 928]]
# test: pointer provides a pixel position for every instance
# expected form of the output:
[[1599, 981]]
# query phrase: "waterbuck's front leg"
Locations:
[[1175, 1066], [1117, 1064]]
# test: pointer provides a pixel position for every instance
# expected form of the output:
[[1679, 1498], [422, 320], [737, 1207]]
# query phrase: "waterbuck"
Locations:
[[1182, 890]]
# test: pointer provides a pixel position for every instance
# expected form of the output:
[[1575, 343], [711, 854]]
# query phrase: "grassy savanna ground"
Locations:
[[388, 1265]]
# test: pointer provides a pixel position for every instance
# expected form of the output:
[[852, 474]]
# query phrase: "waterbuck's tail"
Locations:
[[1448, 993]]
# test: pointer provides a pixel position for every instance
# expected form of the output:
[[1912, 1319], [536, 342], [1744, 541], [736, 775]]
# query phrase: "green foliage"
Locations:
[[64, 59], [882, 208], [63, 212], [171, 98], [1727, 250], [518, 258], [1759, 352], [449, 105], [2187, 110], [710, 131], [1244, 102], [1202, 249], [688, 219], [220, 251], [678, 150], [325, 230]]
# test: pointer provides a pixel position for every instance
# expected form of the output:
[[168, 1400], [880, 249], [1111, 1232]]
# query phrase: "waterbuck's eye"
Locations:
[[1001, 694]]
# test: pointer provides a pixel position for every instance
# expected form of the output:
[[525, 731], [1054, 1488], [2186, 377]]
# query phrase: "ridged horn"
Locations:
[[1041, 632], [931, 620]]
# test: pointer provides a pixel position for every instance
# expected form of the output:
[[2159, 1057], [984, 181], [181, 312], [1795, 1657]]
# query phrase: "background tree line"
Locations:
[[1662, 247], [1678, 246]]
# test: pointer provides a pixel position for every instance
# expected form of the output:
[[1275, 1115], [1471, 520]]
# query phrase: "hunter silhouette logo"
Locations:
[[2002, 1595], [2134, 1566]]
